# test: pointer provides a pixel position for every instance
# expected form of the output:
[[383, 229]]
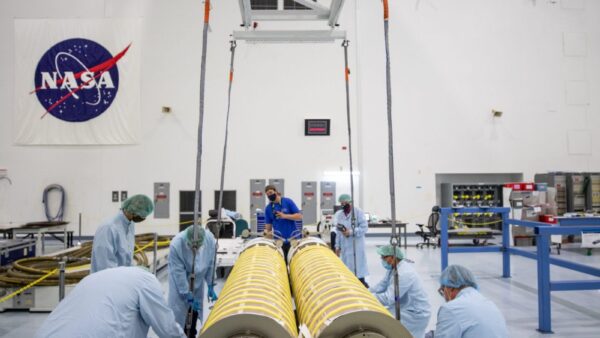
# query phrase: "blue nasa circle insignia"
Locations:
[[77, 80]]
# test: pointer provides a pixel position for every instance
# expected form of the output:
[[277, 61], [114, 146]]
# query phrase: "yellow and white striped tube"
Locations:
[[326, 291], [256, 298]]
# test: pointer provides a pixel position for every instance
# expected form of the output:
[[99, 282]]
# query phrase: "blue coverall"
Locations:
[[346, 244], [470, 315], [415, 310], [180, 269], [113, 244]]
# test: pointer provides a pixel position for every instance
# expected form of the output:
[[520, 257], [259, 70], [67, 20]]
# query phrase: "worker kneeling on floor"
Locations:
[[415, 310], [466, 313]]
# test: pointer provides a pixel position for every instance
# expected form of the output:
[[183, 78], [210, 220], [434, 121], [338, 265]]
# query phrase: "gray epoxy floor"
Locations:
[[574, 314]]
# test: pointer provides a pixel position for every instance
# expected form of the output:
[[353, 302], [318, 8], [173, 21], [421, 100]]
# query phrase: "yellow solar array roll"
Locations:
[[331, 301], [256, 299]]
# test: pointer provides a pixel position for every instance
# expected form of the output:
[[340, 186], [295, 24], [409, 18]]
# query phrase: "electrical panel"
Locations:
[[309, 202], [575, 192], [557, 181], [162, 200], [327, 195], [257, 200], [592, 185]]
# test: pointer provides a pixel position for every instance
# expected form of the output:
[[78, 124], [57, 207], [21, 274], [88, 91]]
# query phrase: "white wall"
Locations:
[[452, 63], [276, 88], [455, 61]]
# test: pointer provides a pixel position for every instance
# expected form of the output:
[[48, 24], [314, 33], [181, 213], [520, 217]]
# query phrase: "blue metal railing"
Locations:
[[445, 214], [542, 232]]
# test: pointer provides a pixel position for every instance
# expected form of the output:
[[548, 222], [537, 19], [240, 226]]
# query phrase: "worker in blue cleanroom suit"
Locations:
[[466, 313], [119, 302], [180, 269], [415, 310], [115, 239], [346, 239]]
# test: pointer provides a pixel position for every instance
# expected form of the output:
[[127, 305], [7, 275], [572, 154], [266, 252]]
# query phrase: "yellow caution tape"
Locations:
[[28, 286], [151, 243]]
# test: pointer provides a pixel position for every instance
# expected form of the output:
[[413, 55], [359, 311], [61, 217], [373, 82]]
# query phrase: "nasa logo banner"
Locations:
[[77, 80], [83, 86]]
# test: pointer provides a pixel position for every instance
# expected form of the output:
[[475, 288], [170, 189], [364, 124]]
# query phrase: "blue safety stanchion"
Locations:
[[444, 234], [505, 246], [543, 270]]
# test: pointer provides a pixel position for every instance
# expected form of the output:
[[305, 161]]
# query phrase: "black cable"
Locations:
[[233, 44], [190, 316], [61, 208], [345, 44], [394, 237]]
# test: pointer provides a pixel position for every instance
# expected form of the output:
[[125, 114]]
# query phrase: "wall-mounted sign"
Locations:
[[316, 127]]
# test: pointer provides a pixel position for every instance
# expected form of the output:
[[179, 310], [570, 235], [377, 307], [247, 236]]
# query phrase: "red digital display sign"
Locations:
[[316, 127]]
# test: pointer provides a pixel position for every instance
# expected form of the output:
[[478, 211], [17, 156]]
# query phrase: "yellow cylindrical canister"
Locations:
[[330, 301], [256, 299]]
